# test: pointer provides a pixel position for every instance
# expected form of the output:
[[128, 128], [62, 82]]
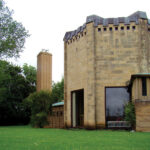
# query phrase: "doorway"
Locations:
[[77, 108]]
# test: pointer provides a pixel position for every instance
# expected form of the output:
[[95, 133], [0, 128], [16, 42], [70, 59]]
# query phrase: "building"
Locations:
[[140, 94], [56, 118], [103, 59]]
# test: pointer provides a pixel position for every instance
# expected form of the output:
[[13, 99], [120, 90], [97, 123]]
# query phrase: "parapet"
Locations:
[[97, 20]]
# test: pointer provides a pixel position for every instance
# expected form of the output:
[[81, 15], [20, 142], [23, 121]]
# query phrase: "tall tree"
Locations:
[[58, 91], [30, 75], [13, 89], [12, 33]]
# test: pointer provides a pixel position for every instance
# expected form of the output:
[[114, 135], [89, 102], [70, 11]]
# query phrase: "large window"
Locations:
[[116, 98]]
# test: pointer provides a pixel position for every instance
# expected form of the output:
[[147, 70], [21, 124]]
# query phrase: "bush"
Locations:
[[130, 113], [39, 120], [40, 107]]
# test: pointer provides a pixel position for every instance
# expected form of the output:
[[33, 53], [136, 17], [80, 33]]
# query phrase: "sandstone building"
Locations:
[[107, 62]]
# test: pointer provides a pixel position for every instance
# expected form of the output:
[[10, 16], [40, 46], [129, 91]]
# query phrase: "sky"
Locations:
[[48, 20]]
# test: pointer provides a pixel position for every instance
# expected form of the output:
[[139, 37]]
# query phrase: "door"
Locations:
[[77, 107]]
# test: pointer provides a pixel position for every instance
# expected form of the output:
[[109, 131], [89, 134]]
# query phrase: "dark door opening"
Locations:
[[77, 108], [116, 98]]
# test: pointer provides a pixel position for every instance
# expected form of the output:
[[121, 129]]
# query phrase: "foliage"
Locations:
[[130, 113], [30, 76], [39, 119], [25, 137], [40, 105], [12, 33], [58, 91], [13, 89]]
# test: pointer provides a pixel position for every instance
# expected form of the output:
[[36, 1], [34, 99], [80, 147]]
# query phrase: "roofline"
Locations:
[[97, 20], [138, 75]]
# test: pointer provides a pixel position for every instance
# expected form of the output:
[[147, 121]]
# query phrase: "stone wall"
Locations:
[[75, 73], [117, 58], [142, 108], [56, 119]]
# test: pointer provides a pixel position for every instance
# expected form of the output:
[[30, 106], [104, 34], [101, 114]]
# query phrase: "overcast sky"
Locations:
[[48, 20]]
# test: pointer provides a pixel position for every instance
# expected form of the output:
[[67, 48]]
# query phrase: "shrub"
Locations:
[[39, 119], [40, 107], [130, 113]]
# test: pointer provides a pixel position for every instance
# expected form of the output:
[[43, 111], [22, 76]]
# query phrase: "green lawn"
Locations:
[[27, 138]]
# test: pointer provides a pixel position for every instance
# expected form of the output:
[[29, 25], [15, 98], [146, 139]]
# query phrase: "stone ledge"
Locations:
[[142, 101]]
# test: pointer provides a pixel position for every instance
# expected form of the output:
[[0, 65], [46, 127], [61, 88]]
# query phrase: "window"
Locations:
[[122, 28], [99, 29], [61, 113], [110, 29], [116, 28], [53, 113], [128, 27], [105, 29], [57, 113], [144, 87], [149, 29], [133, 27], [116, 98]]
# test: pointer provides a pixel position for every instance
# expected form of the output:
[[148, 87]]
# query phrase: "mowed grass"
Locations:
[[27, 138]]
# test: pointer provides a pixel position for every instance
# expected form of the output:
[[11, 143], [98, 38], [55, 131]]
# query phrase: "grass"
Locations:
[[27, 138]]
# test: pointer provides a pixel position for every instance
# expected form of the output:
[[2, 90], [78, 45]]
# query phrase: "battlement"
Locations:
[[105, 22]]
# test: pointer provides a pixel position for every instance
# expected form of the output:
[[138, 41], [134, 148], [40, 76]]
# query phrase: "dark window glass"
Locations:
[[99, 29], [122, 28], [116, 98], [144, 87], [116, 28], [110, 28], [105, 29], [61, 113], [133, 27], [128, 27]]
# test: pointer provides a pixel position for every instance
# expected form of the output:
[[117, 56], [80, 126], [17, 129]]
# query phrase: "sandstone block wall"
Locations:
[[142, 108]]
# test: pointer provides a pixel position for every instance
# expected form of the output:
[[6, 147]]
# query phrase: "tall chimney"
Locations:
[[44, 71]]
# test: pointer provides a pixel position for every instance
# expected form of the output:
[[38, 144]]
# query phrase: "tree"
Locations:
[[40, 103], [40, 107], [12, 33], [130, 114], [58, 91], [30, 76], [13, 89]]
